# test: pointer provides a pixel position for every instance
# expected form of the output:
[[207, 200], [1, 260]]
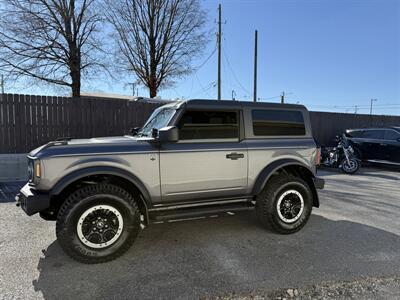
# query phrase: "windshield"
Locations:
[[159, 119]]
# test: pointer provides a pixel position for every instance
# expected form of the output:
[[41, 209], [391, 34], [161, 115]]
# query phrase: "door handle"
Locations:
[[383, 144], [234, 155]]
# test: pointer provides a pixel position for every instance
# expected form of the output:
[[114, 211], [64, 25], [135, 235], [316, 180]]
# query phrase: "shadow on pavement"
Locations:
[[8, 190], [214, 256], [364, 171], [376, 174]]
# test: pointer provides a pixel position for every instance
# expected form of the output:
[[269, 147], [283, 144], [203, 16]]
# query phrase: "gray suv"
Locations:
[[191, 158]]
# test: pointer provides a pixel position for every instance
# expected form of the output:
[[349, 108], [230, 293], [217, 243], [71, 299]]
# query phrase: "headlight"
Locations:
[[37, 169], [34, 170]]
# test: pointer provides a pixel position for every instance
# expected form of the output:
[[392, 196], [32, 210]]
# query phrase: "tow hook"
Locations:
[[17, 200]]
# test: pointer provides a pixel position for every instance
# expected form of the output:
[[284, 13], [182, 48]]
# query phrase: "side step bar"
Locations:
[[204, 210]]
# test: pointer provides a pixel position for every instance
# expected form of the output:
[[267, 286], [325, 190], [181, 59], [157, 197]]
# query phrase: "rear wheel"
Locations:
[[98, 223], [285, 204]]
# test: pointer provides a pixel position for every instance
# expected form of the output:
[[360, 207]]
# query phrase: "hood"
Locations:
[[102, 140], [98, 146]]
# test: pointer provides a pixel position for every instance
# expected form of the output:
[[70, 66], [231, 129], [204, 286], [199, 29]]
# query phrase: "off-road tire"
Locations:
[[266, 203], [81, 200]]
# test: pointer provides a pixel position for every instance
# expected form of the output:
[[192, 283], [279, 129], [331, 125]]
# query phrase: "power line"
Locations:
[[233, 73], [203, 89], [200, 66], [274, 97], [206, 60], [367, 106]]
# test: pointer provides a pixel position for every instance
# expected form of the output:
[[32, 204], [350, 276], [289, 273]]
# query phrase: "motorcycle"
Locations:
[[342, 156]]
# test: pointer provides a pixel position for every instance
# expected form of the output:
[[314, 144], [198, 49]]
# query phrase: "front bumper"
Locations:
[[31, 200], [319, 183]]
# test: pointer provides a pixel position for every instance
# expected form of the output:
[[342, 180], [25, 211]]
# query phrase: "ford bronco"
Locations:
[[191, 158]]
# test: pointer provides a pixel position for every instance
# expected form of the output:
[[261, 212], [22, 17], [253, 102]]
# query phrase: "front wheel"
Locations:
[[285, 204], [351, 166], [98, 223]]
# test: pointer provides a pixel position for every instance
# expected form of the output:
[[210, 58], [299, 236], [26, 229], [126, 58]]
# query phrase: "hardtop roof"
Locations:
[[238, 104]]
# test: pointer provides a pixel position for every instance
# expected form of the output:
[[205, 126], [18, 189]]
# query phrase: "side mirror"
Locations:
[[135, 130], [398, 139], [168, 134]]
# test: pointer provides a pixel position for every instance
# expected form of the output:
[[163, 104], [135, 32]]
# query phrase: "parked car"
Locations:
[[193, 157], [379, 145]]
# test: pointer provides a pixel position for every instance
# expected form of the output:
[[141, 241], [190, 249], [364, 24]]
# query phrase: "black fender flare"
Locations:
[[270, 169], [101, 170]]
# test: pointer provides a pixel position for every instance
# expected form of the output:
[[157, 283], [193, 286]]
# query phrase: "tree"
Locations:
[[157, 39], [50, 40]]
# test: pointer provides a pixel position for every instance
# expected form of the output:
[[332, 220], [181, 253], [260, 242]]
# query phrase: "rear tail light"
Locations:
[[318, 157]]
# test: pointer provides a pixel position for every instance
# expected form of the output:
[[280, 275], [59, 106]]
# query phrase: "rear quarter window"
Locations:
[[278, 122], [374, 134]]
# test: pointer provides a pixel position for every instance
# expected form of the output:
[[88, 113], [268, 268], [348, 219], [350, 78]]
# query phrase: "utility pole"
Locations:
[[372, 100], [133, 89], [355, 109], [255, 66], [219, 51], [283, 98], [2, 83]]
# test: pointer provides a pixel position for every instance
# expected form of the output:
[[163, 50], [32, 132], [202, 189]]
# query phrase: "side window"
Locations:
[[356, 133], [373, 134], [278, 122], [391, 135], [201, 125]]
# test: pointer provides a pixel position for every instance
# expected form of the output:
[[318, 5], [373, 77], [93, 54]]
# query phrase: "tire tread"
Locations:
[[82, 193], [265, 203]]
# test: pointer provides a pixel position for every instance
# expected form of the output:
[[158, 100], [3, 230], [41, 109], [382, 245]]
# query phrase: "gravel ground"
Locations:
[[363, 289], [354, 234]]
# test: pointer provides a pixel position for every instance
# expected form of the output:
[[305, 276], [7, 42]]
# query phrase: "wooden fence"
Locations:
[[27, 122], [326, 125]]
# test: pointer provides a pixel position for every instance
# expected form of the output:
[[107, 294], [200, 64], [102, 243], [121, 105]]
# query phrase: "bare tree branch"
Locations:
[[55, 41], [157, 39]]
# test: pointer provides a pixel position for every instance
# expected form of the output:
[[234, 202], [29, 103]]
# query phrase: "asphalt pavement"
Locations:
[[354, 234]]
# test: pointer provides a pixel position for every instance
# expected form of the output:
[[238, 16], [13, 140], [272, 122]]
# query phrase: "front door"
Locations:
[[208, 162]]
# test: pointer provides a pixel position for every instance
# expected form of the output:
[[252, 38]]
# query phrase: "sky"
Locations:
[[330, 55]]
